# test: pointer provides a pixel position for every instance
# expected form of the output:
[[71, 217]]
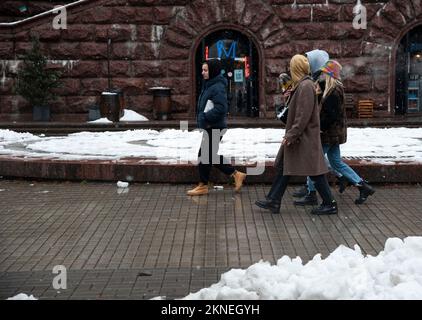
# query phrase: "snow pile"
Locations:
[[396, 273], [22, 296], [8, 136], [128, 115]]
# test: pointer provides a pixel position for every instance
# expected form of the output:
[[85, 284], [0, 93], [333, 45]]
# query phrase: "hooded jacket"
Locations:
[[317, 59], [215, 90], [303, 156]]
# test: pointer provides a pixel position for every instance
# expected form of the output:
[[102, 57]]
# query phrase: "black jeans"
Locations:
[[280, 183], [208, 155]]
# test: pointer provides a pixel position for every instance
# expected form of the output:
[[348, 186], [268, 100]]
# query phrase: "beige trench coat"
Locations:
[[304, 156]]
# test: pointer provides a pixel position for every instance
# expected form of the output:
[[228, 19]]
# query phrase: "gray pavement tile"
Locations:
[[107, 242]]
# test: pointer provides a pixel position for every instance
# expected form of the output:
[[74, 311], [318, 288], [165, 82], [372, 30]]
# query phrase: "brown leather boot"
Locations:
[[199, 190], [239, 177]]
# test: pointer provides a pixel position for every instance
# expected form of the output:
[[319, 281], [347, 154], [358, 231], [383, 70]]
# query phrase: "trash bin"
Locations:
[[161, 103], [112, 105]]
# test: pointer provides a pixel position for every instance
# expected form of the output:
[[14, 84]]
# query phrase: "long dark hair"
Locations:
[[214, 67]]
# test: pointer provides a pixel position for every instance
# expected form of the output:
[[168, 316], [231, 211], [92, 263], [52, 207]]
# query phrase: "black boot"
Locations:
[[324, 209], [273, 199], [272, 205], [303, 191], [365, 190], [329, 205], [342, 183], [309, 200]]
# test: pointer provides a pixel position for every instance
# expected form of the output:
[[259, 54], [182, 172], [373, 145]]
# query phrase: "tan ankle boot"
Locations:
[[239, 177], [198, 186], [199, 190]]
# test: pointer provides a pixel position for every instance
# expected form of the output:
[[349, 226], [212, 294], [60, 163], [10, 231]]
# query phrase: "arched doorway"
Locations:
[[409, 73], [240, 61]]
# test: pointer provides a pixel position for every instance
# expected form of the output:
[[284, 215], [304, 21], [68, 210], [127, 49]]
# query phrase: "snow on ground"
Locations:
[[22, 296], [12, 136], [101, 120], [346, 274], [128, 115], [177, 146]]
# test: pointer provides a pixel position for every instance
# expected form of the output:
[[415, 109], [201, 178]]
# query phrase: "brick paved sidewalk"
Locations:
[[155, 241]]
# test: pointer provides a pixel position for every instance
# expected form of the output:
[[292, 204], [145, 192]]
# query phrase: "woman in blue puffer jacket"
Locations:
[[212, 120]]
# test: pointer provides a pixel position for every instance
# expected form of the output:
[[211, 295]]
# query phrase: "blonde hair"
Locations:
[[331, 84]]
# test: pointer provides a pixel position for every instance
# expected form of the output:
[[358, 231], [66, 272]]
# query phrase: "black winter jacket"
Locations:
[[333, 118], [214, 90]]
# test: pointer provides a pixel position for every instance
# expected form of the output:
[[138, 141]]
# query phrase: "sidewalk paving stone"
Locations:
[[155, 241]]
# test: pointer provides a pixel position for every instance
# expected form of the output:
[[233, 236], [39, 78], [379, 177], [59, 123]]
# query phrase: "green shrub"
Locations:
[[35, 82]]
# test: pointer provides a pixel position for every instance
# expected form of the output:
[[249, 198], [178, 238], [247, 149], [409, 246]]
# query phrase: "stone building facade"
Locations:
[[13, 10], [162, 43]]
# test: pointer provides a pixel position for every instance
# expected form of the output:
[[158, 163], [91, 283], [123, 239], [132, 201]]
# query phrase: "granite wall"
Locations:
[[154, 44]]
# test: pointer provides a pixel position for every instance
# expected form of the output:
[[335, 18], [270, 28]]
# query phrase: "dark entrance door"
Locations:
[[409, 73], [240, 67]]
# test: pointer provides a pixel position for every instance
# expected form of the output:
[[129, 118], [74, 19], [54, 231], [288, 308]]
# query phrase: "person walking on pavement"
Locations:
[[212, 120], [300, 153], [334, 133], [317, 59]]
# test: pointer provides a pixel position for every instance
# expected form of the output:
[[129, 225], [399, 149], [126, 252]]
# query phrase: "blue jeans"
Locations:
[[334, 157]]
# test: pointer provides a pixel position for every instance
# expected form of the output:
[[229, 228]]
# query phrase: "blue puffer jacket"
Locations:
[[214, 90]]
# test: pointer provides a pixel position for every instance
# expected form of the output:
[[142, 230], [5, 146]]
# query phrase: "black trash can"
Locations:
[[112, 105], [161, 103]]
